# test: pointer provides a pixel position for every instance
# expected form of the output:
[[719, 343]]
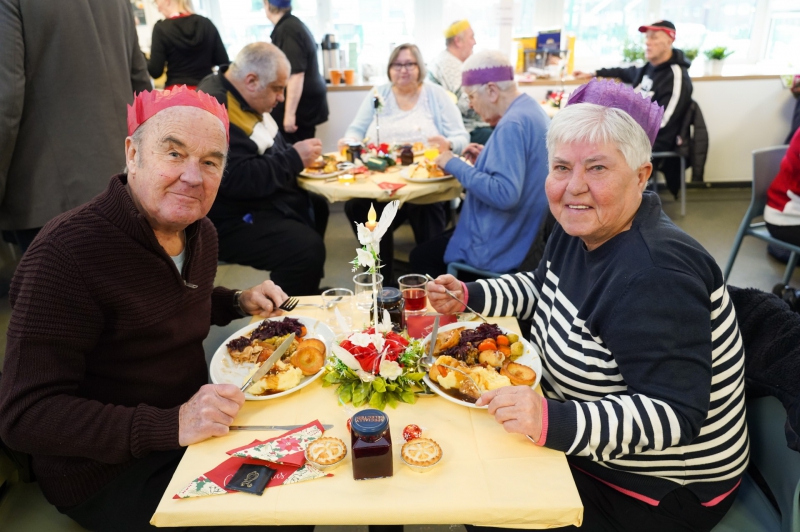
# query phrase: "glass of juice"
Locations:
[[414, 294], [431, 152]]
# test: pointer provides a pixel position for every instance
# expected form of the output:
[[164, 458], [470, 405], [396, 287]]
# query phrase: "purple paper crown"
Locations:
[[607, 93], [482, 76]]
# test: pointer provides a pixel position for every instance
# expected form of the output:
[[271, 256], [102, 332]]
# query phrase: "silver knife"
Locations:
[[268, 363], [272, 427], [434, 333]]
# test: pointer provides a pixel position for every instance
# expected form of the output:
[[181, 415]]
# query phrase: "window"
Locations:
[[758, 31]]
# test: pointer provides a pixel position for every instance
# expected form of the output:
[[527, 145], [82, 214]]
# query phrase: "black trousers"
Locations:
[[426, 221], [480, 135], [787, 233], [128, 503], [291, 250], [302, 133], [607, 510], [429, 256], [671, 166]]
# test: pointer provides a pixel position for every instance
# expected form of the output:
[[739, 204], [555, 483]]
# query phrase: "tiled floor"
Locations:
[[713, 216]]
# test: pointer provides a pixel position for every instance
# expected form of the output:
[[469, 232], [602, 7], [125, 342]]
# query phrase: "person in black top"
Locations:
[[263, 218], [306, 104], [188, 44], [665, 79]]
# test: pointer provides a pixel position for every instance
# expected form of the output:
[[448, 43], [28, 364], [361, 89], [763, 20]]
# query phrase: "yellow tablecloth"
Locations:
[[486, 476], [418, 193]]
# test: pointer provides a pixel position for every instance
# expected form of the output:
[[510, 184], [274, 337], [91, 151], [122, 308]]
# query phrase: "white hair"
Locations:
[[488, 59], [596, 124], [261, 59]]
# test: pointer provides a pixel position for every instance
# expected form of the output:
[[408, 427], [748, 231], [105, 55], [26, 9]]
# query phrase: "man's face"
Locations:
[[658, 46], [467, 42], [175, 171], [265, 99], [484, 102]]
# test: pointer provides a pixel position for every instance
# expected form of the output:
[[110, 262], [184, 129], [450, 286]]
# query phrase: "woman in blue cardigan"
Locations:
[[412, 111]]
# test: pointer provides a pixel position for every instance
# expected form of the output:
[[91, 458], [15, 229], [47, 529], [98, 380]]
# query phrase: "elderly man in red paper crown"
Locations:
[[105, 377]]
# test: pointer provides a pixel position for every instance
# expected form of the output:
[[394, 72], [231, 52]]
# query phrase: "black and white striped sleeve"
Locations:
[[660, 334]]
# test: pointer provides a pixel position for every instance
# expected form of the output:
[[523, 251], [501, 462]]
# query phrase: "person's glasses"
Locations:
[[404, 66]]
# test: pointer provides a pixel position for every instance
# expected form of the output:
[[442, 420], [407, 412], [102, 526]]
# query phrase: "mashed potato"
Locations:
[[282, 377]]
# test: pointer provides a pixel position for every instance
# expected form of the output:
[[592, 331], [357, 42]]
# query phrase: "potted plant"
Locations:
[[715, 58], [691, 53], [633, 53]]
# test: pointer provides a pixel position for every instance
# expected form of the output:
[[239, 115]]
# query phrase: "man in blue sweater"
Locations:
[[505, 202]]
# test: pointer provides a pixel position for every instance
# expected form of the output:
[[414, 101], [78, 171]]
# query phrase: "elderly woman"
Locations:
[[642, 358], [505, 188], [412, 111]]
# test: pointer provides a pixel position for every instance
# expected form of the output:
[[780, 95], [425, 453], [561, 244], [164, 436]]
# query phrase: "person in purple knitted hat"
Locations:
[[642, 359]]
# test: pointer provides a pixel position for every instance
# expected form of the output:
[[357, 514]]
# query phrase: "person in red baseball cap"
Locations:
[[665, 79], [105, 380]]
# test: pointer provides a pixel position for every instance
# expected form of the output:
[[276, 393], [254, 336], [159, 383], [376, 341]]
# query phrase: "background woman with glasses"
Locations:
[[412, 111]]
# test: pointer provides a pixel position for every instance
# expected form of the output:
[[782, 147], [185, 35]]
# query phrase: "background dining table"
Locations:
[[486, 476], [367, 186]]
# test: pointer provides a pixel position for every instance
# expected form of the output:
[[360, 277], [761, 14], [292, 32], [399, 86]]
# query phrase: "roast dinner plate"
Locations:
[[529, 358], [224, 370]]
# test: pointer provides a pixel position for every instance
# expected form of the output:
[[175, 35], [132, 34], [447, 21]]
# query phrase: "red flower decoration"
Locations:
[[369, 357]]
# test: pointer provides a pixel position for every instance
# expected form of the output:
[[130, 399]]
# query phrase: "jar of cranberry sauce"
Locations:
[[371, 443]]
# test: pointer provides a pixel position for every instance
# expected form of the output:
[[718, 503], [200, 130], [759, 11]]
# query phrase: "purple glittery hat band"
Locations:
[[607, 93], [482, 76]]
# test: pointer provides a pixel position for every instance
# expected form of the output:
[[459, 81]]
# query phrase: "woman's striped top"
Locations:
[[643, 364]]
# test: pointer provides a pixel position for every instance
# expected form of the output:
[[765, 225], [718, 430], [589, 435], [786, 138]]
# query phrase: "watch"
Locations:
[[237, 304]]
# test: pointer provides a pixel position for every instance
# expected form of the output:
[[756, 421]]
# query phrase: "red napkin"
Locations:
[[287, 443], [221, 474], [421, 326], [393, 187]]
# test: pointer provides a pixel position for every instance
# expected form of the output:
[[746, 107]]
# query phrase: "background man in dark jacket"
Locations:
[[68, 69], [306, 103], [665, 79], [263, 217]]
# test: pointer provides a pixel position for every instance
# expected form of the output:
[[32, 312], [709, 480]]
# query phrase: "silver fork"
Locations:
[[465, 374], [427, 363], [293, 302]]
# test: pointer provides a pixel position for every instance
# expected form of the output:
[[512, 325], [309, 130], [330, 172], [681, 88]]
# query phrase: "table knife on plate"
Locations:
[[272, 427], [268, 363]]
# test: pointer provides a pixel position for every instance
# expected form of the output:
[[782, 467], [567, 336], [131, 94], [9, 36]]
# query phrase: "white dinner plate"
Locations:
[[529, 358], [321, 176], [405, 173], [224, 371]]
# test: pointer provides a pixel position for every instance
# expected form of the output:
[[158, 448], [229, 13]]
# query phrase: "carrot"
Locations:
[[487, 345], [303, 331], [504, 349], [503, 340]]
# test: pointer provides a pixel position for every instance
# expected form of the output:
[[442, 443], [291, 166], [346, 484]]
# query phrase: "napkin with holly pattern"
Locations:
[[285, 458]]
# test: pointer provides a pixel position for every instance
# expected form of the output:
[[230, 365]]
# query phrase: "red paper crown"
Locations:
[[148, 103]]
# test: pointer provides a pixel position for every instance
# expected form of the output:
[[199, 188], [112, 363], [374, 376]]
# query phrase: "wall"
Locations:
[[742, 114]]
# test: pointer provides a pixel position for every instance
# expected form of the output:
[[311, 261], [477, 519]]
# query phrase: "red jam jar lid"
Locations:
[[369, 422]]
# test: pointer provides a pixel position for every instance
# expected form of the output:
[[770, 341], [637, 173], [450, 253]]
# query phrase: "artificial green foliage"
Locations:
[[632, 51], [719, 53]]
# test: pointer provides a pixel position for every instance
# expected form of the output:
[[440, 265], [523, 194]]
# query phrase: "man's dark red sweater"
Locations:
[[105, 343]]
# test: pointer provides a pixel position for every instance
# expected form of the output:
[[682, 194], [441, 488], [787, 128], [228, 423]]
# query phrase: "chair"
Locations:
[[665, 155], [780, 468], [766, 163]]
